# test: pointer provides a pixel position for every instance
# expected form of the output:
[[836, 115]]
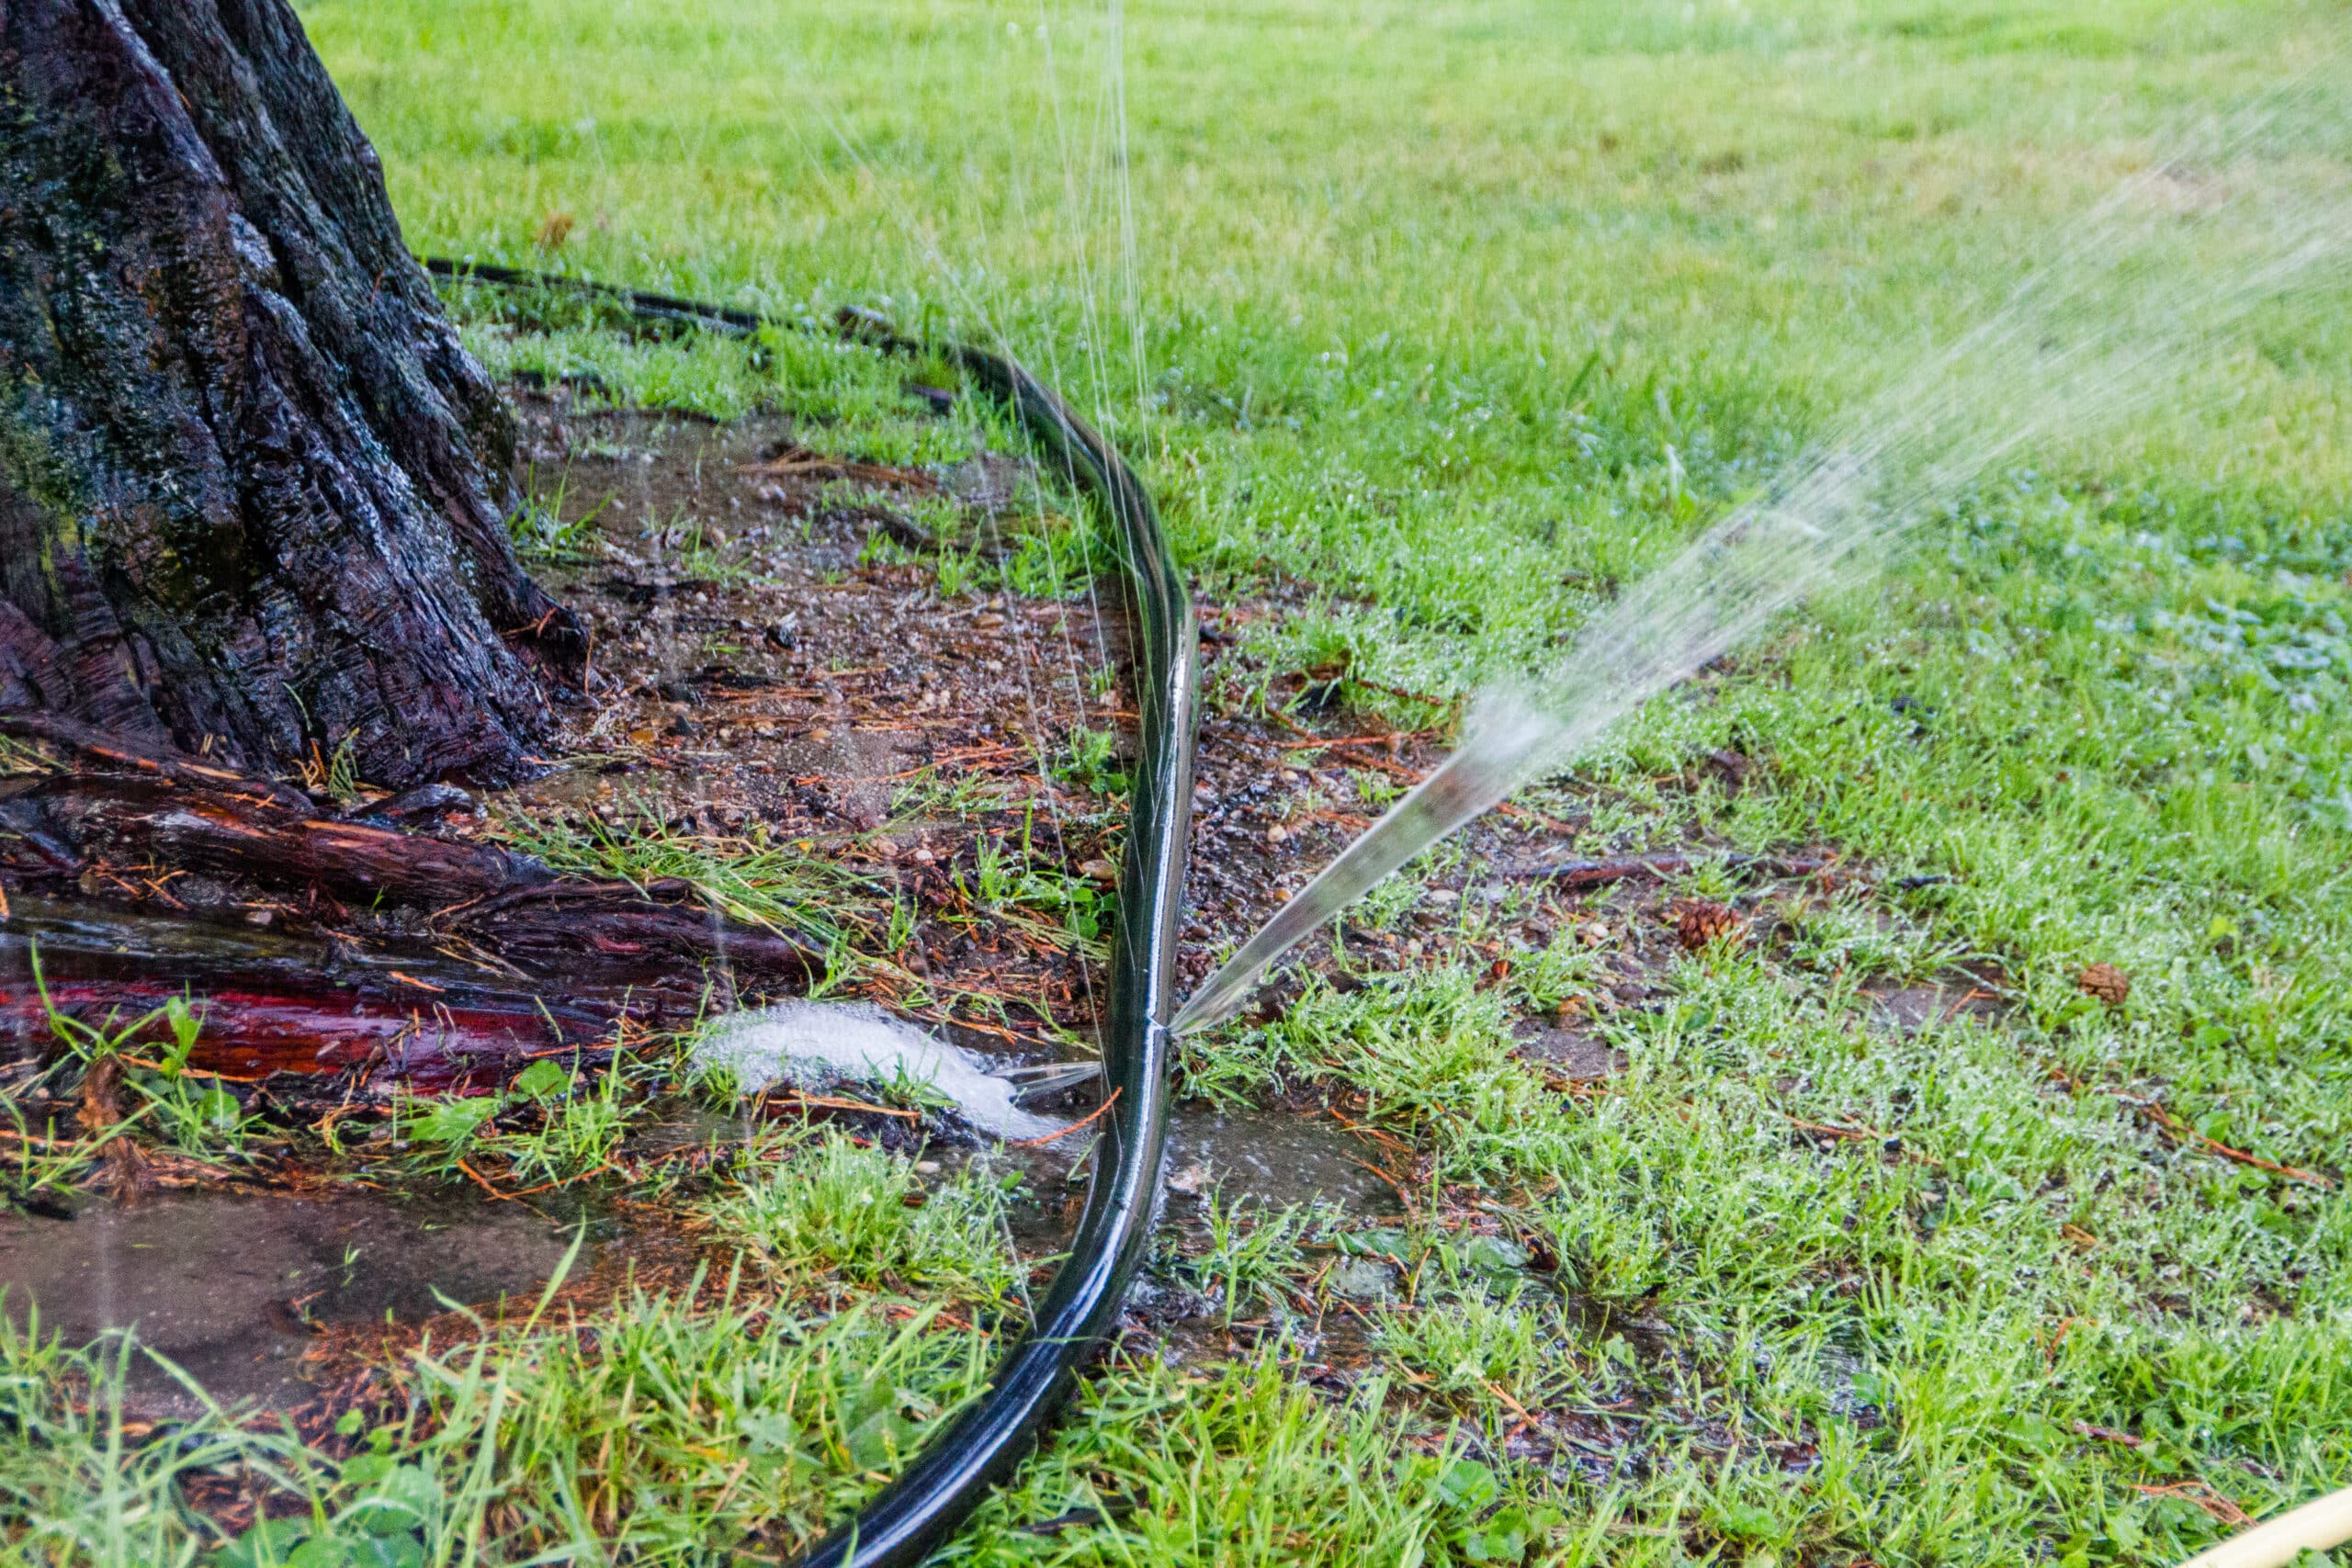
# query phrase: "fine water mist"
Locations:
[[2157, 281]]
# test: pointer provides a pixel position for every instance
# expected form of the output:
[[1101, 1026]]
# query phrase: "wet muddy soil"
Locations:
[[238, 1289]]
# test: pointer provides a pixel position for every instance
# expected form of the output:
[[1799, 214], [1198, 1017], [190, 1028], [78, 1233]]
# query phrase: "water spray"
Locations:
[[2089, 337]]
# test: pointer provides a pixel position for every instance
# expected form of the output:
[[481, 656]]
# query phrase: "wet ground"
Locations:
[[1274, 1157], [785, 656], [238, 1289], [778, 665]]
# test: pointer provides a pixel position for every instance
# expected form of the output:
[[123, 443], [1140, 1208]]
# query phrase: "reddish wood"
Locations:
[[249, 1035], [133, 826]]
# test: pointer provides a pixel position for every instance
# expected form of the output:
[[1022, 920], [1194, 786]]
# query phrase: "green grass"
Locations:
[[1445, 321], [670, 1435], [837, 1211], [754, 881]]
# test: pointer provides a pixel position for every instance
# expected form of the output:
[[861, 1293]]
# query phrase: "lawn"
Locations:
[[1431, 326]]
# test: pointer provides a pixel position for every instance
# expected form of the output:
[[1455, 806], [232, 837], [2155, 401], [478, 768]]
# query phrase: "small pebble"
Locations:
[[1363, 1280]]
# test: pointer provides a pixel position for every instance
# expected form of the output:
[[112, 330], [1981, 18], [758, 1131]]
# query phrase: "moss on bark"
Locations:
[[251, 488]]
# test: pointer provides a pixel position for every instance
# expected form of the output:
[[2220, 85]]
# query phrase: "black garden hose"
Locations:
[[631, 303], [979, 1450]]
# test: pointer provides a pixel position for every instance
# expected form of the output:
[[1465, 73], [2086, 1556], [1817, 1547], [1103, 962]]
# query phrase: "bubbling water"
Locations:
[[2112, 323], [822, 1043]]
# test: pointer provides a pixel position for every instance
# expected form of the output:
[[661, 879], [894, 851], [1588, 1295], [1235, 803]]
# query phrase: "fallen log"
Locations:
[[314, 1019], [322, 1033]]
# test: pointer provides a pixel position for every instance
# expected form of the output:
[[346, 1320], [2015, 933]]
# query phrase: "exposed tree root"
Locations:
[[117, 819]]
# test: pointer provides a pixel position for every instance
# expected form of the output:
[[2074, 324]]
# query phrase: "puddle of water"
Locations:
[[818, 1045], [1580, 1055], [1275, 1157], [691, 1126], [227, 1286], [1907, 1009], [856, 766]]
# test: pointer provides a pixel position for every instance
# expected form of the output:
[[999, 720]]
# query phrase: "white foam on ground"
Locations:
[[817, 1044]]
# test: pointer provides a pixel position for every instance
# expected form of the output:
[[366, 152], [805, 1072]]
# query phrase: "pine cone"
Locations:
[[1699, 922], [2105, 982]]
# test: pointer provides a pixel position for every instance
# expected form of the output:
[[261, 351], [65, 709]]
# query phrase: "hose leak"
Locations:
[[918, 1512]]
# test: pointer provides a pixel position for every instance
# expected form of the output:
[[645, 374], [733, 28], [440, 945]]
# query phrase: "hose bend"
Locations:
[[951, 1477], [983, 1445]]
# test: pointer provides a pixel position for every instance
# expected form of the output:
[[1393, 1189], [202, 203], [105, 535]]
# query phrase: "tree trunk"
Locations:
[[251, 490]]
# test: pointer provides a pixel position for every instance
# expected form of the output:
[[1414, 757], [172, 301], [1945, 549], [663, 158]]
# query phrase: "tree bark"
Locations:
[[251, 488]]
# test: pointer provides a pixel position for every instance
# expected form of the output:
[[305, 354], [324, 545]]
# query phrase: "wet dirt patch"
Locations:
[[1581, 1057], [1907, 1009], [782, 663], [1273, 1158], [237, 1290]]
